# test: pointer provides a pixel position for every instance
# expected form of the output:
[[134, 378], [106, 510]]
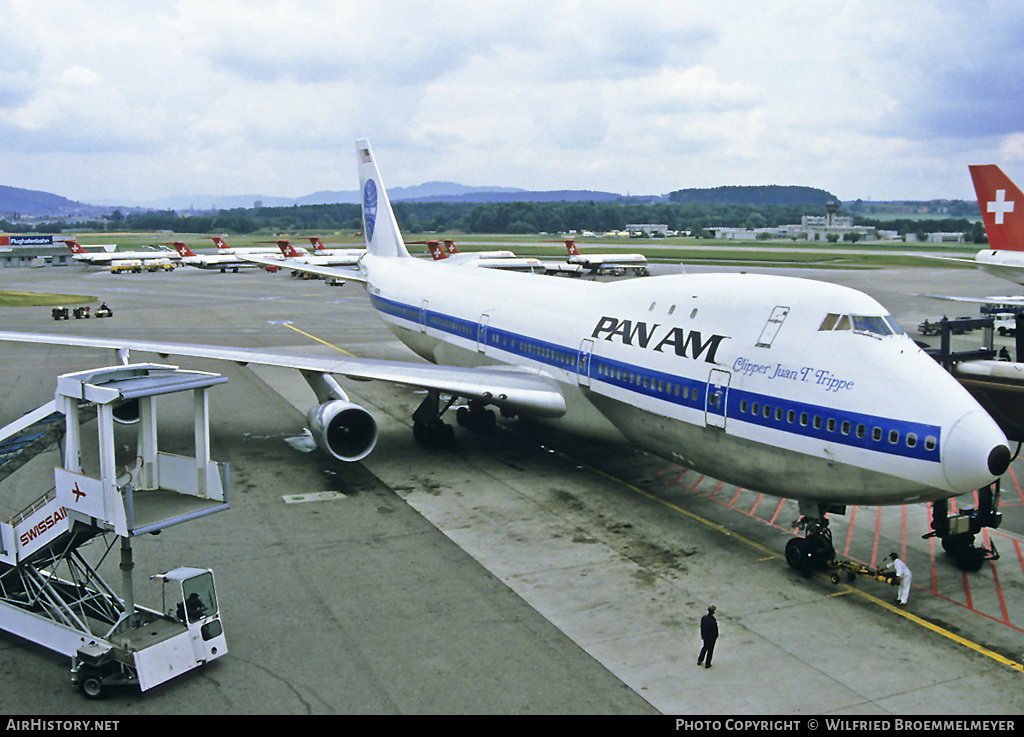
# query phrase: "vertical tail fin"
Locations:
[[288, 249], [219, 241], [570, 244], [317, 244], [451, 247], [436, 252], [73, 246], [183, 250], [1002, 207], [383, 237]]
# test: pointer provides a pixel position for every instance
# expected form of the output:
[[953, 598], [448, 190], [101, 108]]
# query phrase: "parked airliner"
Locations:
[[220, 261], [108, 258], [319, 249], [449, 254], [787, 386], [607, 263], [293, 255]]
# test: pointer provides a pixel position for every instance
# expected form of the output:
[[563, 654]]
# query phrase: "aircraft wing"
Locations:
[[1004, 299], [953, 259], [336, 272], [510, 387]]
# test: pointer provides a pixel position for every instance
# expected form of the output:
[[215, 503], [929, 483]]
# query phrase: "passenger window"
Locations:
[[790, 417], [861, 431], [831, 426], [846, 427], [743, 407], [911, 440], [876, 434], [894, 437], [803, 419], [930, 442]]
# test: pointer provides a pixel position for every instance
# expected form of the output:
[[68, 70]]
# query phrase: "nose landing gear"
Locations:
[[814, 550]]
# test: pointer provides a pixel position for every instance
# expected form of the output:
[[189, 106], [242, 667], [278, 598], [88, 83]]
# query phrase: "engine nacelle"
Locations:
[[127, 412], [342, 429]]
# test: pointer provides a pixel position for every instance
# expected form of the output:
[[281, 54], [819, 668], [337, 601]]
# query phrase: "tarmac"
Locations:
[[524, 571]]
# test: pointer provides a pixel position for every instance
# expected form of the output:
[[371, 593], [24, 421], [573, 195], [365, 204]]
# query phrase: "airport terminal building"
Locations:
[[21, 251]]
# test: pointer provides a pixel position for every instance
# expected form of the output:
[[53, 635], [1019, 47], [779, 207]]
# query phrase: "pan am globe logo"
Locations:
[[369, 208]]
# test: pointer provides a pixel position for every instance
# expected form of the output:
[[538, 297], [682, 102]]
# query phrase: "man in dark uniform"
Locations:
[[708, 633]]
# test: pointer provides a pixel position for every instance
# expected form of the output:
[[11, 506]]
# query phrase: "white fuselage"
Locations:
[[107, 258], [215, 261], [730, 374]]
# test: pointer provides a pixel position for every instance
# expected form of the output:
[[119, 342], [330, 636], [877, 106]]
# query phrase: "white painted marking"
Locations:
[[315, 496]]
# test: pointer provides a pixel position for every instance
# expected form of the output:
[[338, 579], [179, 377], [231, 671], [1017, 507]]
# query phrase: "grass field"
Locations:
[[33, 299]]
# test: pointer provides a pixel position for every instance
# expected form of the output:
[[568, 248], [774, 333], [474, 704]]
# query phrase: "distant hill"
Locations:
[[44, 204], [772, 194], [490, 195], [32, 202]]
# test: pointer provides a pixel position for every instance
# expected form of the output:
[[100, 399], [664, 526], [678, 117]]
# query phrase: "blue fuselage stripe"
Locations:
[[858, 430]]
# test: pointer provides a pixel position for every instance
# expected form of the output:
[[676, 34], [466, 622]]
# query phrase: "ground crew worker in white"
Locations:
[[903, 576]]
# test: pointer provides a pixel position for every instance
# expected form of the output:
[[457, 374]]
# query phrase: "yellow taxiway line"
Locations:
[[771, 554], [849, 589]]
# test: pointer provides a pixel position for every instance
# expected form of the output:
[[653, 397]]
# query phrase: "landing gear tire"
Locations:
[[476, 418], [969, 557], [795, 553], [814, 551], [434, 434]]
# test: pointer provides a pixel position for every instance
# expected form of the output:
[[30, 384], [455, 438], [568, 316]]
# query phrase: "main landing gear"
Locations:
[[814, 550], [429, 429]]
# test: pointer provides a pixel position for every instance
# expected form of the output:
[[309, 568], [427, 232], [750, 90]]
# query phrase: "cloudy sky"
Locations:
[[132, 101]]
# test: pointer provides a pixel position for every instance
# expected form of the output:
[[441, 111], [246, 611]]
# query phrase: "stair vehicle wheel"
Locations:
[[92, 687]]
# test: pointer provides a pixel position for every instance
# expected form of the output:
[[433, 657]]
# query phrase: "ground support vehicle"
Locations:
[[854, 569], [50, 593]]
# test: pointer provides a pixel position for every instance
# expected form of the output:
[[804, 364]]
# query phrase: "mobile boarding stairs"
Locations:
[[49, 593]]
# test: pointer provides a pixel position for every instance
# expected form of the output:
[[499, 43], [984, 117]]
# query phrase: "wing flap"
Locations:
[[517, 389]]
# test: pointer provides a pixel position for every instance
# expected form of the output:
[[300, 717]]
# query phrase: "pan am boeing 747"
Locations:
[[787, 386]]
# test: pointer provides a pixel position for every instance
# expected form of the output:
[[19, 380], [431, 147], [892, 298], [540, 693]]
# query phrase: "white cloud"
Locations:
[[137, 100]]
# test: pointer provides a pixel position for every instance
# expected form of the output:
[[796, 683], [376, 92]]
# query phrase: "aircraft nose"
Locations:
[[974, 453]]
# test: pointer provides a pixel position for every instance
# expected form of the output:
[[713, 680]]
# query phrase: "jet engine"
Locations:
[[127, 412], [344, 430]]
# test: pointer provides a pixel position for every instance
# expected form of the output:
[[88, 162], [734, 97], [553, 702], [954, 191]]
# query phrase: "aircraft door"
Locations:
[[717, 398], [481, 333], [771, 328], [583, 362]]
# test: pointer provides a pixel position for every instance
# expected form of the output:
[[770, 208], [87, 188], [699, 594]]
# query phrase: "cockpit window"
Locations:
[[829, 322], [895, 326], [866, 324], [871, 324]]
